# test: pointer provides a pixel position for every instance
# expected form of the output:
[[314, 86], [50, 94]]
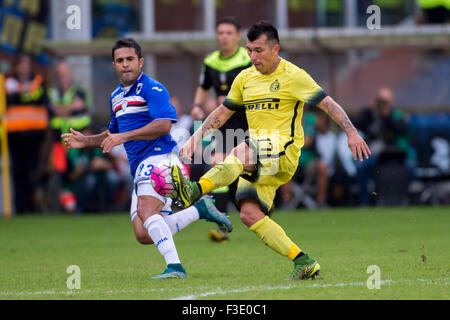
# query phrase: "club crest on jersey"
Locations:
[[139, 88], [274, 87]]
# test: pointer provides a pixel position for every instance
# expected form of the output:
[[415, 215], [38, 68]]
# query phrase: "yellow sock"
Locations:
[[222, 174], [274, 236], [206, 184]]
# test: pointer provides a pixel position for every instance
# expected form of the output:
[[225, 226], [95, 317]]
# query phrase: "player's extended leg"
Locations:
[[273, 235], [148, 210], [202, 209], [241, 160]]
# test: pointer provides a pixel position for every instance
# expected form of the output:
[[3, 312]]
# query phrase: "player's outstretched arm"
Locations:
[[356, 144], [214, 121], [77, 140], [150, 131]]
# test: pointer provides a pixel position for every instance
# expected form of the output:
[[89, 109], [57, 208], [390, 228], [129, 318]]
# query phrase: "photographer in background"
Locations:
[[385, 130]]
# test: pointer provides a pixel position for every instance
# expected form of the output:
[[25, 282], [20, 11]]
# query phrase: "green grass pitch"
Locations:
[[411, 247]]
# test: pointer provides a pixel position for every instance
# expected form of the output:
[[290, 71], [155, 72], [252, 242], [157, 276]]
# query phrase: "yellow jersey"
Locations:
[[274, 103]]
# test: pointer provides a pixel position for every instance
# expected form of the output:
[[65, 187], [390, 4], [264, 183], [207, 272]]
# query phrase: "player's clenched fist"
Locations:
[[74, 139]]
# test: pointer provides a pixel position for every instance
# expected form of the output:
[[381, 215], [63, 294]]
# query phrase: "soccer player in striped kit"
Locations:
[[141, 119]]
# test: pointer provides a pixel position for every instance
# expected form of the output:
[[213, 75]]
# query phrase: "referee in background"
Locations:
[[218, 71]]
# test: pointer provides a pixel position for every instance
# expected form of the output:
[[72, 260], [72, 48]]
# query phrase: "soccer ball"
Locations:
[[162, 179]]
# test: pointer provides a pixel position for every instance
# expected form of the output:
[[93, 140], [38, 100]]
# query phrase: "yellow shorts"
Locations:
[[276, 163]]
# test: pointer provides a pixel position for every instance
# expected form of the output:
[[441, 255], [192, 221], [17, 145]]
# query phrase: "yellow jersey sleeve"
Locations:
[[234, 100], [305, 89]]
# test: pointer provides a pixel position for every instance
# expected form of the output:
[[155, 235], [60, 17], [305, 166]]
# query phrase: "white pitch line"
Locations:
[[78, 292], [316, 285], [269, 288], [443, 281]]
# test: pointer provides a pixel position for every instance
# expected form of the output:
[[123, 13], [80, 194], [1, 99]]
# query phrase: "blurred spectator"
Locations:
[[93, 178], [313, 172], [325, 141], [70, 102], [26, 121], [385, 131], [343, 188], [434, 11], [345, 155], [181, 129]]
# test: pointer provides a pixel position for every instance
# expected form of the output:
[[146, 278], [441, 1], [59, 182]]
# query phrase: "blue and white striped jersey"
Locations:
[[136, 106]]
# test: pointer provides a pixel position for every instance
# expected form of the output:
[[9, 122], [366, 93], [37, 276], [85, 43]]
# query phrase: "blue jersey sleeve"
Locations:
[[113, 127], [158, 102]]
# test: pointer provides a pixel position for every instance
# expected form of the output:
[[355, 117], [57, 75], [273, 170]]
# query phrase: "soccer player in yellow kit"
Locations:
[[272, 92]]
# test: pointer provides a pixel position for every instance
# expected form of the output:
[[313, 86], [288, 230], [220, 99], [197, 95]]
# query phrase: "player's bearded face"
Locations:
[[128, 65]]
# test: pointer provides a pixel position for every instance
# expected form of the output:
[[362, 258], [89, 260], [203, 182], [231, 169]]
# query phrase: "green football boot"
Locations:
[[208, 211], [187, 191], [173, 271], [305, 268]]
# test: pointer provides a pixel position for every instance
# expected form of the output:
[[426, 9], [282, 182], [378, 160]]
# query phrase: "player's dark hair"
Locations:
[[229, 20], [127, 43], [263, 27]]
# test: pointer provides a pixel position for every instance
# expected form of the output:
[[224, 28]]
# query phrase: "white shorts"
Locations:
[[143, 184]]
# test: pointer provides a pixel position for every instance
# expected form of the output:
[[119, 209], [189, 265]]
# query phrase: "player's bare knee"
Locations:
[[148, 206], [248, 218], [244, 216], [141, 211], [251, 213], [144, 239], [144, 213]]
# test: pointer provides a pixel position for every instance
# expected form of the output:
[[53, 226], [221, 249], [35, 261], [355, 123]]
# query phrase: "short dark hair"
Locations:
[[127, 43], [263, 27], [229, 20]]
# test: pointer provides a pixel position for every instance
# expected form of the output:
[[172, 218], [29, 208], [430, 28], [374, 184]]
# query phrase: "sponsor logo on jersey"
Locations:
[[262, 104]]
